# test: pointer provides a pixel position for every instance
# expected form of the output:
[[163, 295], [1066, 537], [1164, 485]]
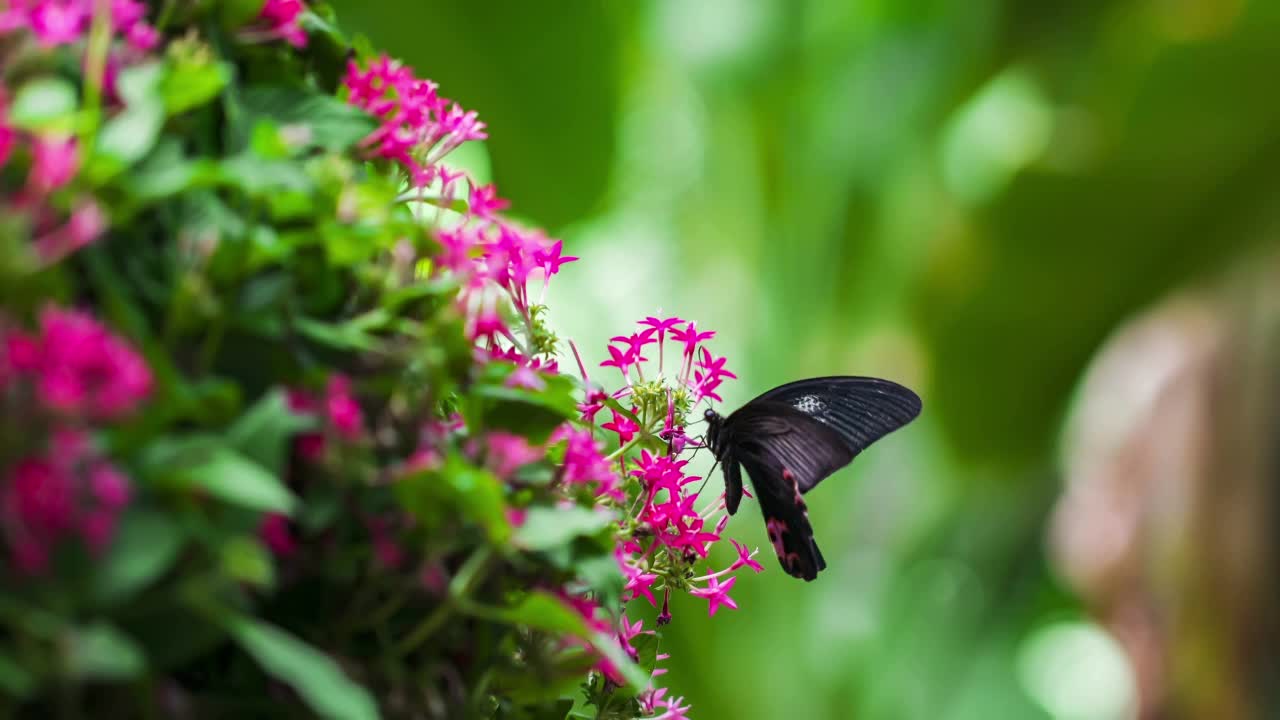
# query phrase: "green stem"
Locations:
[[95, 72], [459, 589]]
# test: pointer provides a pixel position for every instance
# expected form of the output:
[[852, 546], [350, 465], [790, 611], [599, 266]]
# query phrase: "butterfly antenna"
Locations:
[[707, 477]]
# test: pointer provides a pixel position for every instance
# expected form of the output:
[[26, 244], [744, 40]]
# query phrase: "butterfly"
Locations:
[[793, 437]]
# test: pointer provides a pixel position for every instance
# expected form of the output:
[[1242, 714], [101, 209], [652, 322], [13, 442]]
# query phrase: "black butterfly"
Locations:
[[791, 438]]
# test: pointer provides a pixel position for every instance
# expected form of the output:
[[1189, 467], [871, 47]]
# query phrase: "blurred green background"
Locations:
[[967, 196]]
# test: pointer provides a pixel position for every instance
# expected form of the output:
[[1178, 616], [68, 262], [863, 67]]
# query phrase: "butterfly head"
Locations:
[[714, 423]]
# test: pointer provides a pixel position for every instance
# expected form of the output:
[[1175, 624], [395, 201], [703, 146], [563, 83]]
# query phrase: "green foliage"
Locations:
[[305, 532]]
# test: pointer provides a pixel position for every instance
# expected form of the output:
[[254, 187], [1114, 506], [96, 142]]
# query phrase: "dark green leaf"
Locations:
[[458, 487], [222, 472], [145, 547], [315, 676], [15, 681], [332, 123], [263, 433], [100, 651]]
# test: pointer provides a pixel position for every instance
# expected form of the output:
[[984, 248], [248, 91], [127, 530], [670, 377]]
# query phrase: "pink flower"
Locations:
[[85, 370], [621, 360], [744, 558], [485, 201], [418, 127], [8, 135], [42, 496], [86, 223], [276, 535], [550, 259], [508, 453], [691, 337], [54, 161], [98, 528], [717, 594], [640, 584], [59, 22], [525, 377], [109, 486], [624, 426], [284, 18], [583, 463], [342, 409]]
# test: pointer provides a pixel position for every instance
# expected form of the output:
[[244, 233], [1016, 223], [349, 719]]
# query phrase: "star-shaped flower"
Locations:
[[717, 594]]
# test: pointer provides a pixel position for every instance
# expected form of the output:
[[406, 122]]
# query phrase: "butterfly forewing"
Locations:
[[860, 409]]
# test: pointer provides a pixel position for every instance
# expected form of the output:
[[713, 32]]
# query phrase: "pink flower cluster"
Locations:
[[76, 367], [492, 258], [339, 414], [67, 492], [70, 374], [284, 18], [676, 533], [700, 371], [64, 22], [55, 160], [418, 126]]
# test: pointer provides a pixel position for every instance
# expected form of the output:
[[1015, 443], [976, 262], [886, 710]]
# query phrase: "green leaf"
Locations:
[[543, 611], [340, 336], [102, 652], [207, 464], [545, 528], [531, 413], [457, 488], [232, 477], [244, 559], [479, 495], [130, 135], [167, 172], [262, 433], [145, 547], [315, 676], [15, 681], [602, 574], [256, 175], [331, 123], [188, 84], [44, 103]]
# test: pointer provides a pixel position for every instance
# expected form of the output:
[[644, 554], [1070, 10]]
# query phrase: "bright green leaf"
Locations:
[[315, 676], [44, 103], [244, 559], [188, 84], [545, 528], [543, 611]]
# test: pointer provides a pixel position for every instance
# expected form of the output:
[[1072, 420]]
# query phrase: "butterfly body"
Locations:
[[794, 436]]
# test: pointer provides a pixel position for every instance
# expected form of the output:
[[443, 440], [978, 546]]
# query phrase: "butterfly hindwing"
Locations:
[[784, 451], [786, 518]]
